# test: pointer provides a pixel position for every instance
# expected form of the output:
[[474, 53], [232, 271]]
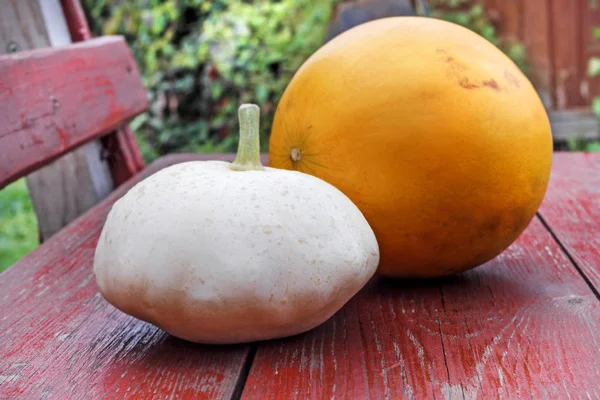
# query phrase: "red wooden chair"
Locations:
[[524, 325], [52, 101]]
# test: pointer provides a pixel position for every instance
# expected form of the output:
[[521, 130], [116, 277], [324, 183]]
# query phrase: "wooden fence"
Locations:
[[558, 35]]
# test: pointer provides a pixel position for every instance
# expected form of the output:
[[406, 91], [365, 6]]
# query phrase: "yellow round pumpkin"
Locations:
[[434, 133]]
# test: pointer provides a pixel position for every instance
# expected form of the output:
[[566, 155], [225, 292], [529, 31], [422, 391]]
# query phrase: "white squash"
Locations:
[[219, 252]]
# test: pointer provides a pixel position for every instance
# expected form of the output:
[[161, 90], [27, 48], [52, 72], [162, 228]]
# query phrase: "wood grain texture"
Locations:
[[54, 100], [571, 209], [574, 123], [536, 38], [566, 25], [122, 152], [557, 37], [21, 26], [511, 18], [522, 326], [61, 340]]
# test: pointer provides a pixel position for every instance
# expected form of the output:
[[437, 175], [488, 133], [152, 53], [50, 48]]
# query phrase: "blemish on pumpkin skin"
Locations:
[[492, 224], [492, 84], [467, 84], [455, 66], [510, 78]]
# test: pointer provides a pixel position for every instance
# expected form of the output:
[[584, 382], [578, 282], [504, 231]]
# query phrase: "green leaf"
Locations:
[[138, 122], [18, 224], [159, 21], [262, 92], [596, 106], [594, 66], [593, 147], [477, 10], [216, 90]]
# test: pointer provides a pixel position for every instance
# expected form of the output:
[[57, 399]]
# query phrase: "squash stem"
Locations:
[[248, 154]]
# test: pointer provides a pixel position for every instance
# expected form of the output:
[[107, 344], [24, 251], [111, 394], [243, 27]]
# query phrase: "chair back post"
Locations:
[[122, 151]]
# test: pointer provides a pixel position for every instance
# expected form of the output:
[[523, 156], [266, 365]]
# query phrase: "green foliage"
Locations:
[[576, 144], [474, 17], [594, 66], [200, 59], [18, 225], [593, 71]]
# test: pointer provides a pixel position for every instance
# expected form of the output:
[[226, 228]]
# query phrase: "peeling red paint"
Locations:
[[36, 139], [24, 122], [63, 135], [97, 96]]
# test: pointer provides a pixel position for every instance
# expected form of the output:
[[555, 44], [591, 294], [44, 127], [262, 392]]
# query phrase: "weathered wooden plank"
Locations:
[[70, 185], [536, 38], [21, 26], [511, 18], [54, 100], [522, 326], [571, 209], [577, 123], [567, 42], [61, 340]]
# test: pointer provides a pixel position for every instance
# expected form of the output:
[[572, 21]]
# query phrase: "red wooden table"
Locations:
[[525, 325]]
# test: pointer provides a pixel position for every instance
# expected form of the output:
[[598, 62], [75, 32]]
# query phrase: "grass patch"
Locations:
[[18, 224]]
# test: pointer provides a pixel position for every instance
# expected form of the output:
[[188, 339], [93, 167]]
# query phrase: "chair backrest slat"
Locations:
[[56, 99]]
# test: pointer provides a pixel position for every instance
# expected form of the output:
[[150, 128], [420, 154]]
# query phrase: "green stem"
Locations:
[[248, 154]]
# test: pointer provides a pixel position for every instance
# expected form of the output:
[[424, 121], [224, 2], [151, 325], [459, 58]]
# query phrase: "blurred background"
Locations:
[[200, 59]]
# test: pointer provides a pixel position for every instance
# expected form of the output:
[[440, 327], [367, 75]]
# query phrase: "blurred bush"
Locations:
[[200, 59]]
